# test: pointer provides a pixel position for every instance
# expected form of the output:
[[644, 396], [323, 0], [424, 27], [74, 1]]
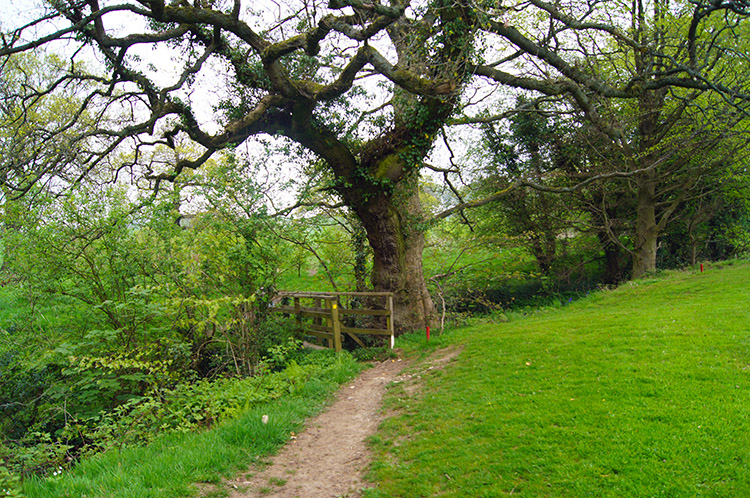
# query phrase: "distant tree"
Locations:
[[659, 141], [529, 149], [671, 138], [713, 224]]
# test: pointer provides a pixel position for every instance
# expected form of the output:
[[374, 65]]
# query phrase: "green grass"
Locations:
[[639, 392], [173, 464]]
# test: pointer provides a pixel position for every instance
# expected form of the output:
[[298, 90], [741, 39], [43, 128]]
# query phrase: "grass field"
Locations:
[[639, 392]]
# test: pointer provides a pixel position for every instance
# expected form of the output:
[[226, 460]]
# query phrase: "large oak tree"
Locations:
[[309, 72]]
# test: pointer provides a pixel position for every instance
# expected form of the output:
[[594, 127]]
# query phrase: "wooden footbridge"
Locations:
[[324, 316]]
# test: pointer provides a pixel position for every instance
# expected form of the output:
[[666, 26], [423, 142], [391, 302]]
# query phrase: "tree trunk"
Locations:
[[543, 248], [392, 222], [646, 227], [381, 185], [613, 272], [361, 253]]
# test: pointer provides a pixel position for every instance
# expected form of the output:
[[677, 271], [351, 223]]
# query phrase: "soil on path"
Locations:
[[328, 458]]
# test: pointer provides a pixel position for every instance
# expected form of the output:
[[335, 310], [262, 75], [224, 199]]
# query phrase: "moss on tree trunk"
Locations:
[[393, 222]]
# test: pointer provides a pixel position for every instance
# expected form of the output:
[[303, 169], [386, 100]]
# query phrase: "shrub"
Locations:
[[186, 407]]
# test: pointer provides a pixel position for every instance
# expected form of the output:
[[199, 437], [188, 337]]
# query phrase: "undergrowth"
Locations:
[[214, 428]]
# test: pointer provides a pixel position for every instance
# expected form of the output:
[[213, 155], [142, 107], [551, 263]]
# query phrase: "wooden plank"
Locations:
[[320, 328], [289, 309], [356, 339], [303, 311], [310, 311], [315, 314], [284, 309], [318, 321], [389, 321], [328, 294], [355, 330], [318, 334], [368, 312], [335, 322]]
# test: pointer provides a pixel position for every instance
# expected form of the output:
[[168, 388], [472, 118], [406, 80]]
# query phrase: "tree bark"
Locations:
[[646, 227], [544, 249], [693, 250], [393, 225], [359, 247], [613, 271]]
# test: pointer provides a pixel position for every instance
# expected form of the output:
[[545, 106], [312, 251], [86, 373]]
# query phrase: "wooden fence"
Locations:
[[327, 314]]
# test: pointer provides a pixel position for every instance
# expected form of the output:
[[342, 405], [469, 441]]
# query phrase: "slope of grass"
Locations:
[[639, 392]]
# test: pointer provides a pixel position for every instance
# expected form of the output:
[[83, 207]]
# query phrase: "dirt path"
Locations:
[[327, 459]]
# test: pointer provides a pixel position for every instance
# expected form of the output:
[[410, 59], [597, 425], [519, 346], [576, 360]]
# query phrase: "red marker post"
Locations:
[[428, 333], [701, 267]]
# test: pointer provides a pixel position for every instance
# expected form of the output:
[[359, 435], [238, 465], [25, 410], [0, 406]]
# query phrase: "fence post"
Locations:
[[318, 304], [297, 311], [389, 319], [335, 323]]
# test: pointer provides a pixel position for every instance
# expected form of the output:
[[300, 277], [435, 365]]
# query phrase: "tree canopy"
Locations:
[[366, 87]]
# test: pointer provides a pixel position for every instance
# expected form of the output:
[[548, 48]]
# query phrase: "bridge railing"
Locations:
[[321, 314]]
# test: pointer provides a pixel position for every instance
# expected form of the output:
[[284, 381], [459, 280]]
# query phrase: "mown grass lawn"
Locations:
[[639, 392]]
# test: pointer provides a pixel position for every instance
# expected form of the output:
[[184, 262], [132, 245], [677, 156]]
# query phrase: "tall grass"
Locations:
[[639, 392]]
